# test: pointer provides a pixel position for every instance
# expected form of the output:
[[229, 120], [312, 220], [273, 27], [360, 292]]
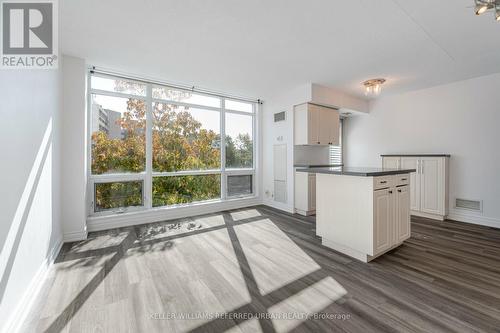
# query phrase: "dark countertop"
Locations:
[[316, 165], [417, 155], [362, 172]]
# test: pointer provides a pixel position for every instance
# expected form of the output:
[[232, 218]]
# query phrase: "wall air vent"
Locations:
[[280, 116], [475, 205]]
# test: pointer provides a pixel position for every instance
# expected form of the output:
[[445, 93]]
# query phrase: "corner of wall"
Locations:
[[74, 149]]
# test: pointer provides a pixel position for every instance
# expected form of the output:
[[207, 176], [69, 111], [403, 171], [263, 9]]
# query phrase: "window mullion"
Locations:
[[237, 185], [223, 181], [148, 183]]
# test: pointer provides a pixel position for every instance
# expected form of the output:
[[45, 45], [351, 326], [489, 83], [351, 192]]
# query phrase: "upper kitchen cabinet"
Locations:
[[316, 125]]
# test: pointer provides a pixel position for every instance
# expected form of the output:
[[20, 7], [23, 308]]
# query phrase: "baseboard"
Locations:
[[363, 257], [305, 212], [427, 215], [27, 300], [75, 236], [279, 205], [475, 219], [165, 214]]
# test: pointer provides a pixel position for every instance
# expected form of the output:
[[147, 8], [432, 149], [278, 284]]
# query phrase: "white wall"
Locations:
[[280, 133], [461, 119], [74, 149], [329, 96], [30, 230]]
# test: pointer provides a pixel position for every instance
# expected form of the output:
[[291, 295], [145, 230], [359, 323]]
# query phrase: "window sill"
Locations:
[[143, 216]]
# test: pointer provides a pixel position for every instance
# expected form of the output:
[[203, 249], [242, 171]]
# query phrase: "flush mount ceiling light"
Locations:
[[373, 86], [481, 6]]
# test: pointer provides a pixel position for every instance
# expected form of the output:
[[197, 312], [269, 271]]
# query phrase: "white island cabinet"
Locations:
[[362, 212]]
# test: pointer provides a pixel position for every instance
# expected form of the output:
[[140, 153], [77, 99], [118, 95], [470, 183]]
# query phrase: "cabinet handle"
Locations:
[[403, 179], [390, 192], [318, 142], [399, 191], [383, 182]]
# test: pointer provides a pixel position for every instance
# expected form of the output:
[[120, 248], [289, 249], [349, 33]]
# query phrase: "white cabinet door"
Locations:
[[301, 191], [312, 192], [329, 126], [431, 185], [301, 131], [391, 162], [313, 124], [383, 215], [325, 119], [402, 222], [412, 163]]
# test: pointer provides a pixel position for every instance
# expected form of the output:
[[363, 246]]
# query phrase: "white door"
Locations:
[[313, 124], [402, 222], [383, 214], [431, 185], [412, 163], [391, 162]]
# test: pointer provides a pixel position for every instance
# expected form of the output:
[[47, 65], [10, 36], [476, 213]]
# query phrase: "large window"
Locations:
[[154, 146]]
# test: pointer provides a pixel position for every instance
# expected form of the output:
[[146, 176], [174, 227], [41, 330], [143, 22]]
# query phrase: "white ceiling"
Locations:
[[259, 48]]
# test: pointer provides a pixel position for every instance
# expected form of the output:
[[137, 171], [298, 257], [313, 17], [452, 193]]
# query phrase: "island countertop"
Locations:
[[356, 171]]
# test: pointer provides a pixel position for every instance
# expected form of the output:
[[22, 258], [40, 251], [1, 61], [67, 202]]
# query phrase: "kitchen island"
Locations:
[[362, 212]]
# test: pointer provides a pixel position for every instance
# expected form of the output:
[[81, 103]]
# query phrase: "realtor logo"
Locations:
[[29, 37]]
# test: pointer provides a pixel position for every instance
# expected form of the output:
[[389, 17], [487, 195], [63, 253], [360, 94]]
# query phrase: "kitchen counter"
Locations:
[[358, 171], [317, 165], [416, 155]]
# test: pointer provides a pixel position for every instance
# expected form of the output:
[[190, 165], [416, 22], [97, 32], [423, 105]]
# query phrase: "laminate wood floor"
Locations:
[[261, 270]]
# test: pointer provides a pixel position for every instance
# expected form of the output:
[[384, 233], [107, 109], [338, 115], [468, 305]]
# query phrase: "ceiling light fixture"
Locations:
[[484, 5], [373, 87], [480, 8]]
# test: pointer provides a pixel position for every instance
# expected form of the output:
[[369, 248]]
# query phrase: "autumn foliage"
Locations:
[[179, 143]]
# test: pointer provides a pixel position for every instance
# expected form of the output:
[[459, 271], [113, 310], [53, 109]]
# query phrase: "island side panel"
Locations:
[[344, 211]]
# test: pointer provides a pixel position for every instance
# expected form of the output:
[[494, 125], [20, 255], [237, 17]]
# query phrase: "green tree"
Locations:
[[179, 143]]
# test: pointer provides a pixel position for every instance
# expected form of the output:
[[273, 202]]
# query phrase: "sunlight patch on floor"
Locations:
[[274, 258], [306, 302], [245, 214], [198, 275], [99, 240]]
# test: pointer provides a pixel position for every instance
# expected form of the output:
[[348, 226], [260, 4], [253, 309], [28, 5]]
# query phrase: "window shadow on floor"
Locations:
[[146, 238]]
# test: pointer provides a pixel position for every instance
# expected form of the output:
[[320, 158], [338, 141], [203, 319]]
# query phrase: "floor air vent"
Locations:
[[475, 205]]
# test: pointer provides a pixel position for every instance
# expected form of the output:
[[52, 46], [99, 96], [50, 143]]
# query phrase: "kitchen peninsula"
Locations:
[[362, 212]]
